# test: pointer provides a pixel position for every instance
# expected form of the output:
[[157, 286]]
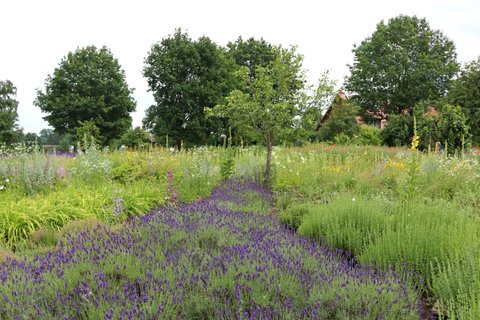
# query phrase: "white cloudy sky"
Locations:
[[36, 35]]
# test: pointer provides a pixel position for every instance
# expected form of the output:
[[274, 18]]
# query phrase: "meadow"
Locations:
[[392, 208], [344, 232]]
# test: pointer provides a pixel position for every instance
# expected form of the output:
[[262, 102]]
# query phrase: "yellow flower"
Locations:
[[415, 141]]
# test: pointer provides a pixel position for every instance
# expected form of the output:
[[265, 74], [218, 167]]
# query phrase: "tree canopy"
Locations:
[[185, 77], [136, 138], [49, 136], [403, 62], [466, 94], [270, 102], [88, 85], [251, 53], [8, 113]]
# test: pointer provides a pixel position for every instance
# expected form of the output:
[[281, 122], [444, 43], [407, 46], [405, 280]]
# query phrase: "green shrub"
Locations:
[[42, 238], [346, 222], [342, 120], [368, 136], [398, 131], [293, 215], [457, 284]]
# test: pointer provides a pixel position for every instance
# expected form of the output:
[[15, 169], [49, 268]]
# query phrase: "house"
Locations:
[[337, 102], [378, 119]]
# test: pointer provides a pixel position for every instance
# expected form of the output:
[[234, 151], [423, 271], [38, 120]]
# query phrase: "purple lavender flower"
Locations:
[[210, 259]]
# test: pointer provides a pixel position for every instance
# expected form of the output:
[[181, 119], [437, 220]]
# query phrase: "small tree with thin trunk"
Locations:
[[270, 102]]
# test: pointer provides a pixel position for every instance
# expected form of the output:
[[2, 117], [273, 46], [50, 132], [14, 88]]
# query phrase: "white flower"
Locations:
[[2, 187], [7, 180], [353, 199]]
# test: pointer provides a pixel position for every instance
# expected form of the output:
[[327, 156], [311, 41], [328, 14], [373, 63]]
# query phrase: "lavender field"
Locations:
[[224, 257]]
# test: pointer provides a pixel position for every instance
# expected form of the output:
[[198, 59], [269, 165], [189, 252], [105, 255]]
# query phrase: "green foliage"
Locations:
[[416, 235], [49, 136], [403, 62], [227, 167], [465, 94], [30, 173], [458, 283], [252, 54], [368, 136], [428, 132], [268, 105], [446, 127], [87, 134], [342, 120], [91, 165], [65, 143], [347, 222], [293, 215], [315, 103], [31, 138], [9, 132], [389, 206], [136, 138], [186, 76], [88, 85], [398, 131], [42, 238], [453, 129], [44, 191]]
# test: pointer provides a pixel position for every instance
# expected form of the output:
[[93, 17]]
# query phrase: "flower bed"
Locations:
[[219, 258]]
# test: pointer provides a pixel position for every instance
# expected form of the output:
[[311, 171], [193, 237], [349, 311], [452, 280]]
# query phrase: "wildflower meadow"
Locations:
[[342, 233]]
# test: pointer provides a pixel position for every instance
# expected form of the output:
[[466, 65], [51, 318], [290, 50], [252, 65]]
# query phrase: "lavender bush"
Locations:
[[219, 258]]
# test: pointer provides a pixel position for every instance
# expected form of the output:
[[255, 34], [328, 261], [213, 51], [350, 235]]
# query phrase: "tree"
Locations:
[[453, 129], [444, 124], [88, 85], [9, 131], [185, 77], [48, 136], [137, 137], [342, 121], [316, 102], [403, 62], [398, 131], [251, 53], [31, 138], [466, 94], [271, 102]]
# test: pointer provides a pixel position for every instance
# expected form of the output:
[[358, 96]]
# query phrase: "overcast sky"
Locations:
[[36, 35]]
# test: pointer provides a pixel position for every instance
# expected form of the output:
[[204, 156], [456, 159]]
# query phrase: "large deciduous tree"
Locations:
[[88, 85], [186, 77], [251, 53], [269, 103], [466, 94], [8, 113], [403, 62]]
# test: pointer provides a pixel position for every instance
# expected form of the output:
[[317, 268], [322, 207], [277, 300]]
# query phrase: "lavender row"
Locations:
[[209, 259]]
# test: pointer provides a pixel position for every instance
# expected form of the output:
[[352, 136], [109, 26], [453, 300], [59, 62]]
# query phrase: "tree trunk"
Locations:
[[268, 165]]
